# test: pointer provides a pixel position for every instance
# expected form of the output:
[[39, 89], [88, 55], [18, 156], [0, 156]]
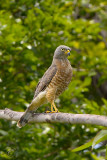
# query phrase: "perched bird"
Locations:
[[54, 81]]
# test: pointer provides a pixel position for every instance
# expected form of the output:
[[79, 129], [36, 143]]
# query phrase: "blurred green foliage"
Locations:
[[30, 30]]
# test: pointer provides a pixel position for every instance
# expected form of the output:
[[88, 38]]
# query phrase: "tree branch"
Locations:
[[56, 117]]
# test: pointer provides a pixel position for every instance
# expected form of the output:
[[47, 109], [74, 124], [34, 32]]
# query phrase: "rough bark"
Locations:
[[56, 117]]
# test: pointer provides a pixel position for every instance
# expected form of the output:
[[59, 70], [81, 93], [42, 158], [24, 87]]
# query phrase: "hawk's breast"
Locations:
[[61, 79]]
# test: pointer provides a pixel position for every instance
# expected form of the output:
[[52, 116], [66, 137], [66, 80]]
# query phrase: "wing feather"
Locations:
[[46, 79]]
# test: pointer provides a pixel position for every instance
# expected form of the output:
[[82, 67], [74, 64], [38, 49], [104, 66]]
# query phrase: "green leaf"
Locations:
[[84, 146], [4, 133], [96, 157], [101, 136], [104, 101], [106, 152]]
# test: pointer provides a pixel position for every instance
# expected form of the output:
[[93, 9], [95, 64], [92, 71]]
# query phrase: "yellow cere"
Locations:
[[67, 51]]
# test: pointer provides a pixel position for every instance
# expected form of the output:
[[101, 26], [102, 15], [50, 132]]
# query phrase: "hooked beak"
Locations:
[[67, 52]]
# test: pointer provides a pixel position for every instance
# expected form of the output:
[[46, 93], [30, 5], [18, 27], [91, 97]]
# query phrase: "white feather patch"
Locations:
[[40, 99]]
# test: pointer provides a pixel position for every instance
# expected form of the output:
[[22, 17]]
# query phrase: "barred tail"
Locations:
[[24, 119]]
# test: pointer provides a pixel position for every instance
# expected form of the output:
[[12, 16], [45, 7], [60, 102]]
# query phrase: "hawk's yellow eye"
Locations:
[[62, 49]]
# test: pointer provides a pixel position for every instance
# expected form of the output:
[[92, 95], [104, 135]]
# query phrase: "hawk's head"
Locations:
[[62, 52]]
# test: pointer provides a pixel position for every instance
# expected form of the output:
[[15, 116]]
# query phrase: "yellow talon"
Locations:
[[48, 111], [54, 112], [53, 109]]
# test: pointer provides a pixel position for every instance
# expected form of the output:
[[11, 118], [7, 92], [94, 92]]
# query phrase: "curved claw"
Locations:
[[48, 112], [52, 111], [55, 111]]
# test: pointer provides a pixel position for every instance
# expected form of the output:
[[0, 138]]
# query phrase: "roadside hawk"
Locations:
[[54, 81]]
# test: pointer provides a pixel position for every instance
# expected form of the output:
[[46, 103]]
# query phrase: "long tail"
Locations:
[[28, 113], [37, 101], [24, 119]]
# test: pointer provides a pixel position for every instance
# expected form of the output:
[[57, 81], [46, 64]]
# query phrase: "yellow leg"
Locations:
[[53, 108]]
